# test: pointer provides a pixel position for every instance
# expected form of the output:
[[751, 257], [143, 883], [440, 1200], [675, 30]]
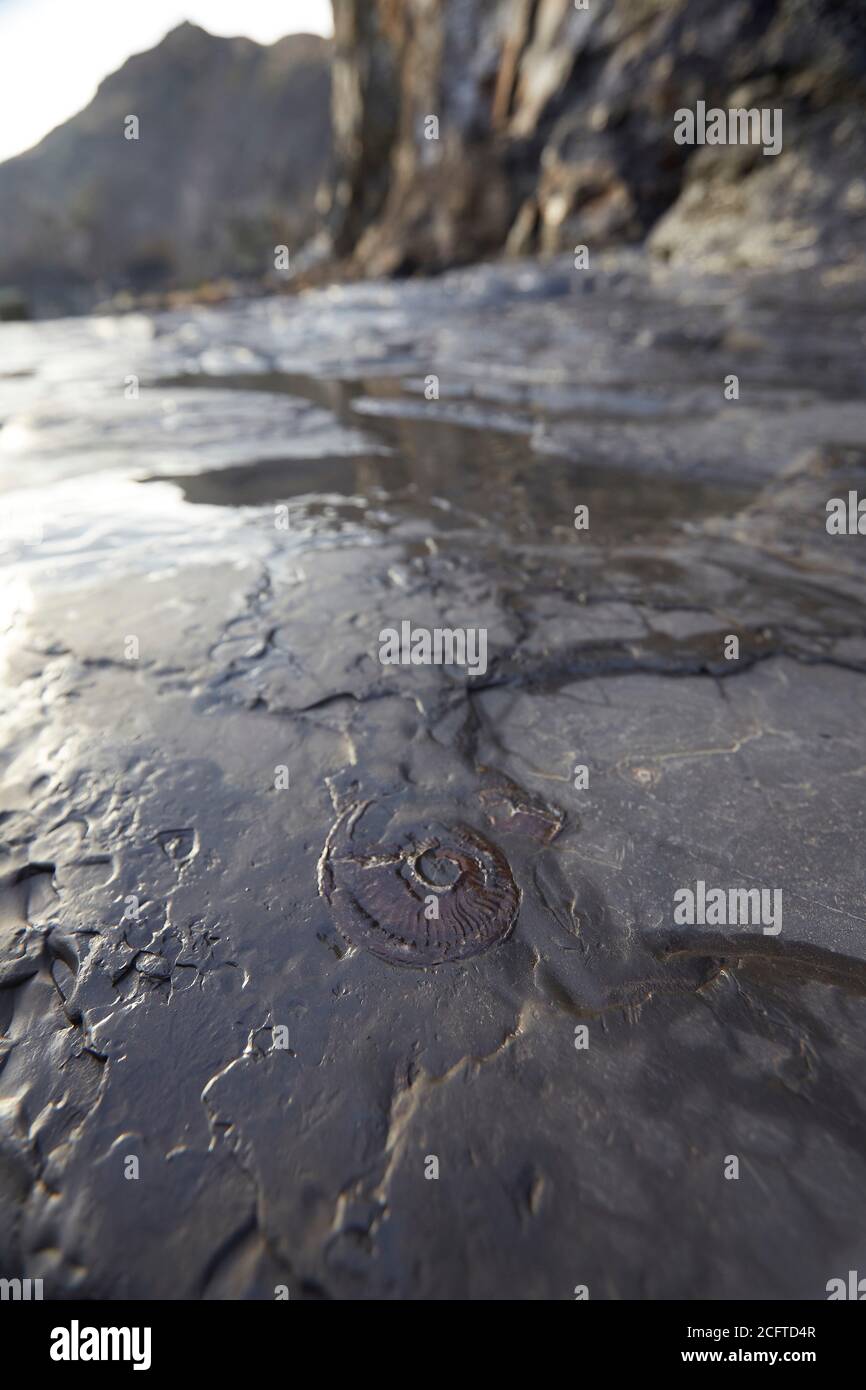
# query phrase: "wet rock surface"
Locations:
[[193, 703]]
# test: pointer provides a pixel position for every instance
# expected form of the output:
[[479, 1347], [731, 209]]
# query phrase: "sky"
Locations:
[[54, 53]]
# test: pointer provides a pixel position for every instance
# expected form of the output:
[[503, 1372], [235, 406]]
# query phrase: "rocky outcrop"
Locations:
[[365, 111], [233, 143], [556, 127]]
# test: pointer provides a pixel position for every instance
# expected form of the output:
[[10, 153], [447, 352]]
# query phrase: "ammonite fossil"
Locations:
[[440, 894]]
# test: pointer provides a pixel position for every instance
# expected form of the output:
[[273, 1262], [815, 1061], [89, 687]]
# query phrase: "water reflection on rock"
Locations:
[[253, 493]]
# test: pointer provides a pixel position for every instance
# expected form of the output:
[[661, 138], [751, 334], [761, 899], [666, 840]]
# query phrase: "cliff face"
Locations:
[[556, 127], [234, 139]]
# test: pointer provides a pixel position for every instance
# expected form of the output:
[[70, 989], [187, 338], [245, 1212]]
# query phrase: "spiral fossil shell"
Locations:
[[381, 894]]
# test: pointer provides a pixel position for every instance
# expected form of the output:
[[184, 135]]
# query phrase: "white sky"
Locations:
[[54, 53]]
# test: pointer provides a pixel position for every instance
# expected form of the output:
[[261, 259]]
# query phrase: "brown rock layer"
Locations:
[[556, 128]]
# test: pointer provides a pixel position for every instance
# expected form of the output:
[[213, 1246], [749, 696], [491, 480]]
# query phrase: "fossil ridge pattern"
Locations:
[[435, 894]]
